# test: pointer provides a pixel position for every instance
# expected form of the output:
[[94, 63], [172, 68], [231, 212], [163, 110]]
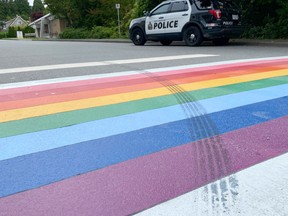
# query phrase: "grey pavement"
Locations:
[[255, 42], [276, 42]]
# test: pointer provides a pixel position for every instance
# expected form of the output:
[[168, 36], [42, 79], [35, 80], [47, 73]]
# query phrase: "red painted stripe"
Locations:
[[138, 184], [76, 86], [22, 102]]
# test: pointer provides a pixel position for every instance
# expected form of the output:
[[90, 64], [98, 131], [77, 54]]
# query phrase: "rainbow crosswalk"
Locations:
[[118, 145]]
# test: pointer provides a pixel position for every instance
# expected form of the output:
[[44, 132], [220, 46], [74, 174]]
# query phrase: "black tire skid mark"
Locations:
[[216, 162]]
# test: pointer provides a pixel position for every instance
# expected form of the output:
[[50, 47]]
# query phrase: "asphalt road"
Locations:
[[113, 129], [15, 54]]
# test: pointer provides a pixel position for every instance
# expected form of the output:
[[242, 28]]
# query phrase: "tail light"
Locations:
[[216, 13]]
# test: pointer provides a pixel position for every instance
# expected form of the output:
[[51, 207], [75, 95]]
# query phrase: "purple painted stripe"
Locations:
[[138, 184]]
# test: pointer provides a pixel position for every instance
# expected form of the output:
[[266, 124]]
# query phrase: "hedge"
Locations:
[[12, 31], [97, 32]]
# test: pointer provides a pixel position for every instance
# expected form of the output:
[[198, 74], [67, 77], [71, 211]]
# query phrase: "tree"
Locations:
[[265, 19], [38, 6], [2, 11], [259, 12], [65, 9], [11, 9], [37, 10], [22, 8], [144, 5], [89, 13], [263, 14], [7, 9]]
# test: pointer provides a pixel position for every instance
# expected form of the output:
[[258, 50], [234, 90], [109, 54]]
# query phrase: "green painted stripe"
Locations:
[[80, 116]]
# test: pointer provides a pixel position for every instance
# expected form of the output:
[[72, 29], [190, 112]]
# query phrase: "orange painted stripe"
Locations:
[[122, 89], [44, 90]]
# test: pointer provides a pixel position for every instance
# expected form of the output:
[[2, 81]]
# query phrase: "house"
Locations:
[[15, 22], [48, 26]]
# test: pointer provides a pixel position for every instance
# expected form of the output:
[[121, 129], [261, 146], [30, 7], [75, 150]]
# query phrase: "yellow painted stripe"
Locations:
[[17, 114]]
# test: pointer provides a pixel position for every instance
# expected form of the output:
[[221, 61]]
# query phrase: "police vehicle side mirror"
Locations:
[[146, 13]]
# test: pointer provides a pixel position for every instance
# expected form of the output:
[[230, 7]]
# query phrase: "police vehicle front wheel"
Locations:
[[138, 37], [193, 36]]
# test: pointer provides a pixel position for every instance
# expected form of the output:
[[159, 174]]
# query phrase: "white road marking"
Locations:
[[262, 191], [127, 73], [101, 63]]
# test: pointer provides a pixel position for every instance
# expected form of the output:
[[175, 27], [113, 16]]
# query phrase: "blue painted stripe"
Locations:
[[45, 140], [35, 170]]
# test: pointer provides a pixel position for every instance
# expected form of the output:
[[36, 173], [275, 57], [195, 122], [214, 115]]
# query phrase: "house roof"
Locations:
[[41, 18], [13, 21]]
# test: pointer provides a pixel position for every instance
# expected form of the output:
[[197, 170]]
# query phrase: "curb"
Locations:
[[252, 42], [88, 40], [248, 42]]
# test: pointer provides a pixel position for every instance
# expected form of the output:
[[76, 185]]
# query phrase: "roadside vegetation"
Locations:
[[265, 19], [12, 32], [10, 8], [98, 18], [96, 32], [262, 18]]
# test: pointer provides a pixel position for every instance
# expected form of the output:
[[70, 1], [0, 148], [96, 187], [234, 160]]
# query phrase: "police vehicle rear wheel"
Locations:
[[192, 36], [166, 42], [138, 37]]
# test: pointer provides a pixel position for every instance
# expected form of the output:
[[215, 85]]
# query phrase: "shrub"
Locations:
[[100, 32], [270, 31], [72, 33], [3, 35], [28, 29], [12, 32], [283, 31], [97, 32]]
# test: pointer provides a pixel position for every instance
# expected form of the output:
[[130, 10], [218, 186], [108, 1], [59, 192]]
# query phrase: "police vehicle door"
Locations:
[[179, 15], [155, 21]]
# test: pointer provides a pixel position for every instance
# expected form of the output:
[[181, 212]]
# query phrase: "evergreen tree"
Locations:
[[38, 6], [65, 9], [10, 9], [23, 8], [2, 11], [37, 10]]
